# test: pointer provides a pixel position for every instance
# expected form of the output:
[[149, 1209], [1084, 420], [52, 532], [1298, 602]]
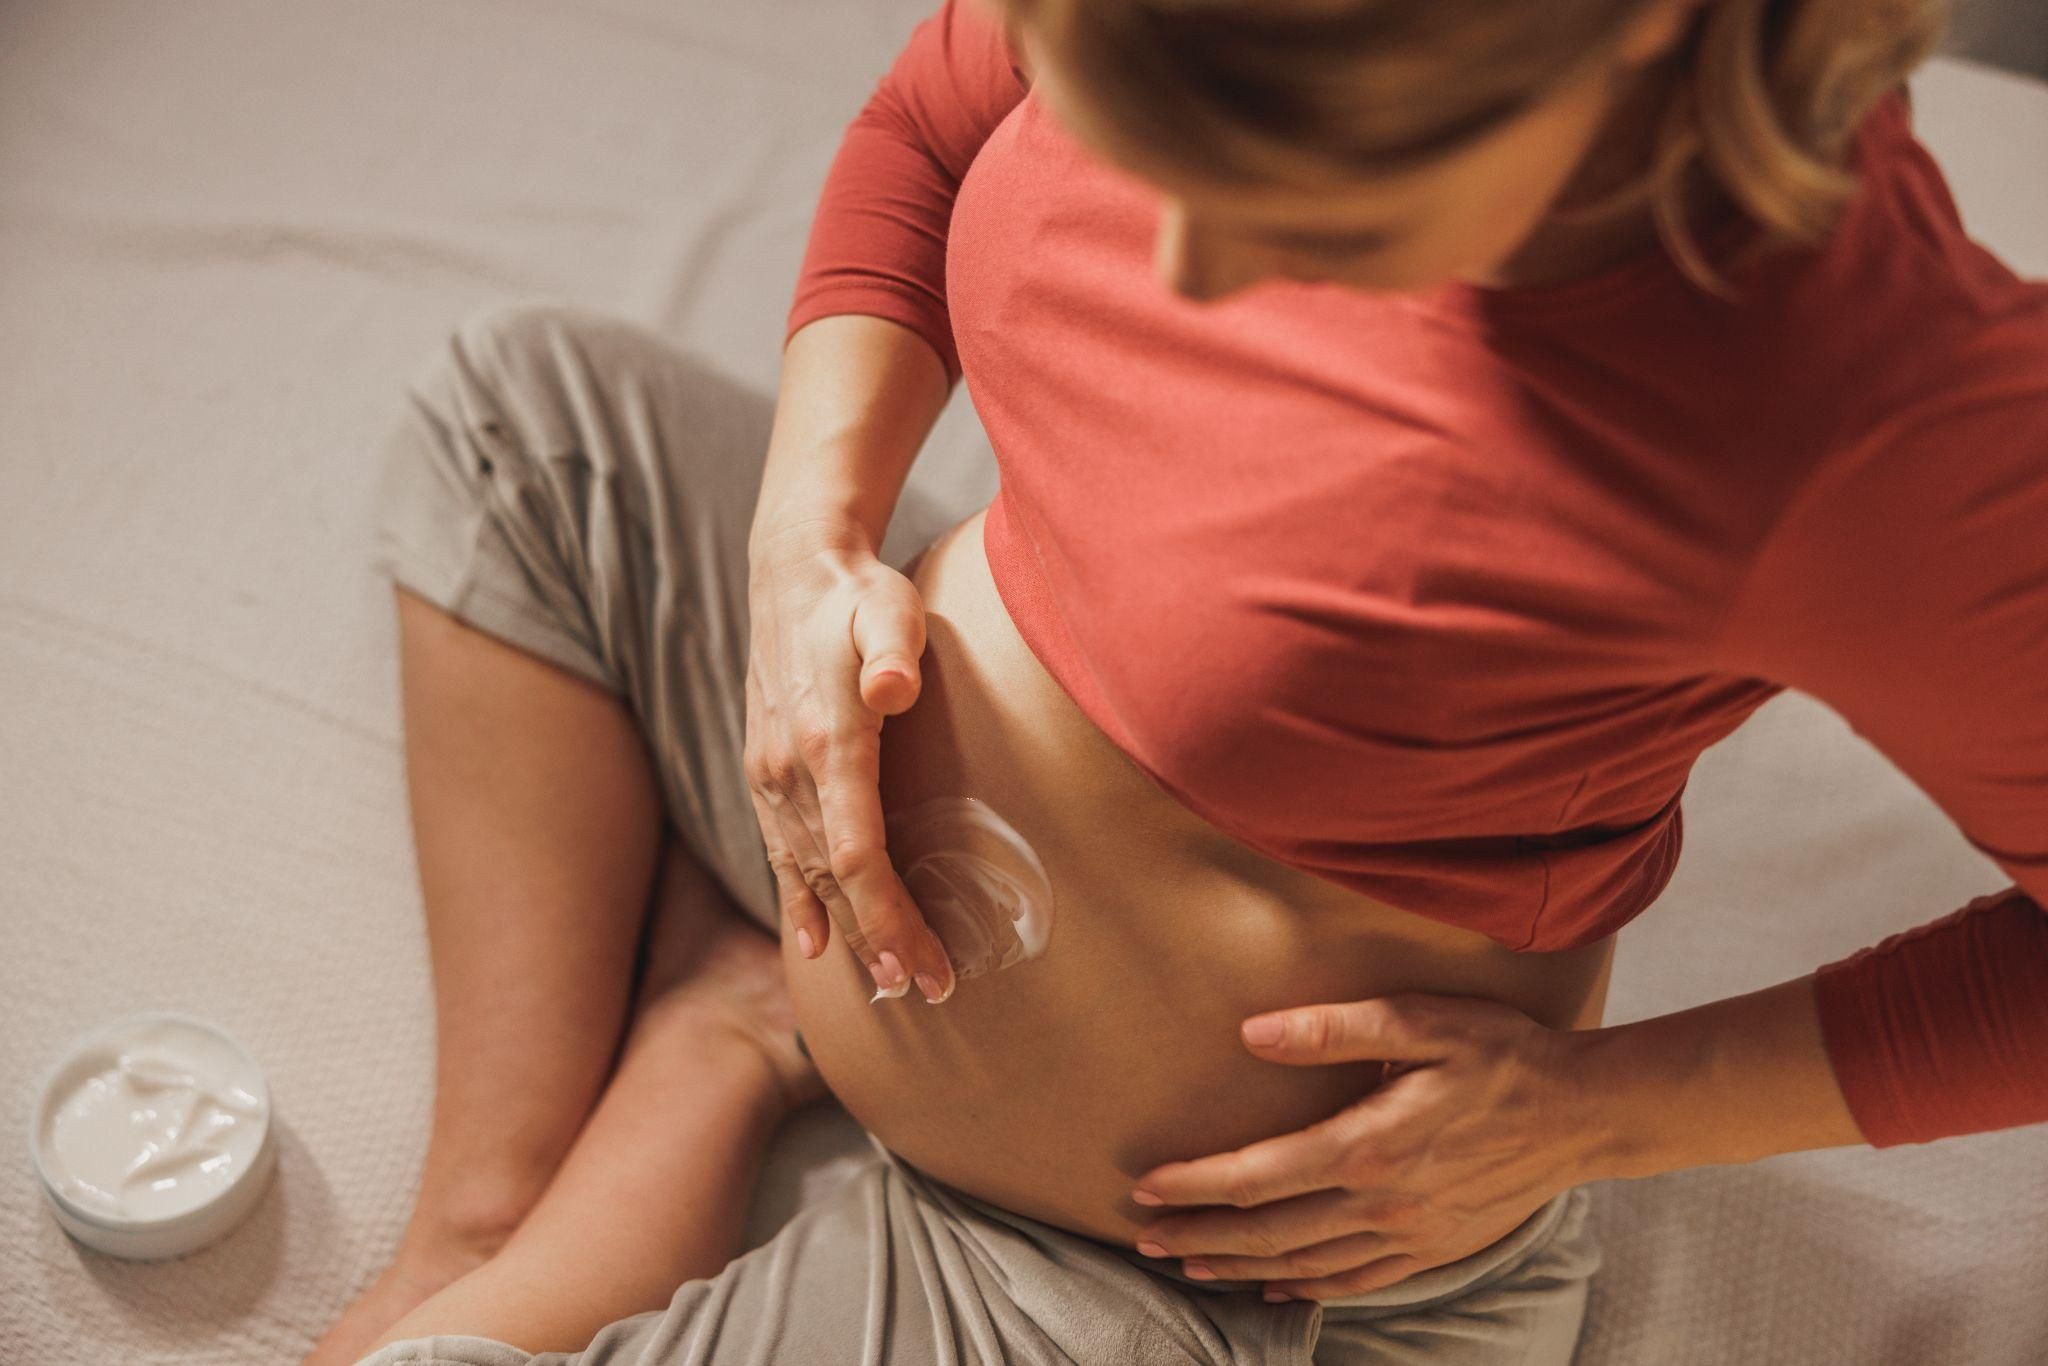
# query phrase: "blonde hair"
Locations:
[[1767, 94]]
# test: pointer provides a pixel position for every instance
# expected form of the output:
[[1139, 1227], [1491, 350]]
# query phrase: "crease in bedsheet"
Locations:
[[166, 240], [52, 626], [665, 31], [740, 197], [748, 200]]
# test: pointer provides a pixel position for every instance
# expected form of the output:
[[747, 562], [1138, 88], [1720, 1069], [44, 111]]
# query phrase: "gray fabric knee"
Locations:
[[462, 521]]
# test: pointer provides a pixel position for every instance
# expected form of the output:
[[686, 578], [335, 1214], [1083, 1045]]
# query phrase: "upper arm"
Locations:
[[1907, 588], [878, 238], [957, 77]]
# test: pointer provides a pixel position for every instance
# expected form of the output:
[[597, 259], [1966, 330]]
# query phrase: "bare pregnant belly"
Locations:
[[1049, 1086]]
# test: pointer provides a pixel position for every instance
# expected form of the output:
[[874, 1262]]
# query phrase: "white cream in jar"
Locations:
[[979, 884], [153, 1136]]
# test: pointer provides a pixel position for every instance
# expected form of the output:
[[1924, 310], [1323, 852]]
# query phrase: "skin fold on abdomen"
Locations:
[[1049, 1085]]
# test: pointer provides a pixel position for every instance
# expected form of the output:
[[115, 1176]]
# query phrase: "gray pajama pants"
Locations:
[[575, 485]]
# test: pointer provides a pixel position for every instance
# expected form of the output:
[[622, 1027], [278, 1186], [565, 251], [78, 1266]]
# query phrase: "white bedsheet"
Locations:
[[228, 230]]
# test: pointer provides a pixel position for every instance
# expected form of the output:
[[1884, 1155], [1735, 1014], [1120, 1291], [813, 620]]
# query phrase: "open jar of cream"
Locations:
[[152, 1136]]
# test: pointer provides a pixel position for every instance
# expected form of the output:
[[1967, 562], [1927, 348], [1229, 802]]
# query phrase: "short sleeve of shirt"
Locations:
[[878, 237]]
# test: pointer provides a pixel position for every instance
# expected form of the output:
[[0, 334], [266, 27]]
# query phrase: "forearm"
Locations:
[[857, 398], [1726, 1082]]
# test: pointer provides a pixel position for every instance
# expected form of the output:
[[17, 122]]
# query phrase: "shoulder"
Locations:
[[1019, 49], [1928, 355], [987, 35], [1913, 556], [1901, 251]]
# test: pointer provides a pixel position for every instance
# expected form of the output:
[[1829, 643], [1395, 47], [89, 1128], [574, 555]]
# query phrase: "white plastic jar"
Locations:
[[152, 1136]]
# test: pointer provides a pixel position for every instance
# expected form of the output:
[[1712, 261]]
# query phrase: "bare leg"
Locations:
[[538, 820], [656, 1190]]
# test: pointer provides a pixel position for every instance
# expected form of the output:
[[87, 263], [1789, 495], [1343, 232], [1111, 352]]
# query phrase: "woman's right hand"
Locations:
[[835, 636]]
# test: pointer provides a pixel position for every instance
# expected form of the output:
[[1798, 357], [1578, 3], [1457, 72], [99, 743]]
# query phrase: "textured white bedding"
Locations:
[[228, 230]]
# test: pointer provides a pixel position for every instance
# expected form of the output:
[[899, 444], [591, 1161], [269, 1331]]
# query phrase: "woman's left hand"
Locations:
[[1478, 1124]]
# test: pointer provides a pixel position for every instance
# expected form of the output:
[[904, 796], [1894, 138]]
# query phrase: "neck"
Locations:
[[1579, 237]]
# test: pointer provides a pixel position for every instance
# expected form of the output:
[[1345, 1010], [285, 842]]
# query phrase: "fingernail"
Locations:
[[1146, 1198], [1198, 1271], [893, 970], [1277, 1297], [1150, 1248], [883, 991], [930, 988], [1264, 1030], [805, 943]]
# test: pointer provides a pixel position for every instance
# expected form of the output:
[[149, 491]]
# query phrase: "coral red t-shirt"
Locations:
[[1439, 595]]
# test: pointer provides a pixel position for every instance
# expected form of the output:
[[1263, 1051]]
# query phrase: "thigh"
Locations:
[[894, 1269], [867, 1275], [579, 485], [1526, 1312]]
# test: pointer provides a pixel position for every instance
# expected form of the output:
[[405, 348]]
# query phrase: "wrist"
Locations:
[[1729, 1081], [836, 486], [802, 530], [1630, 1078]]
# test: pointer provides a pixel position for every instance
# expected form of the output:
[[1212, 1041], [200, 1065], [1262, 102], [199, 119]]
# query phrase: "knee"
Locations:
[[506, 337], [568, 403], [505, 357], [503, 382], [481, 398], [534, 374]]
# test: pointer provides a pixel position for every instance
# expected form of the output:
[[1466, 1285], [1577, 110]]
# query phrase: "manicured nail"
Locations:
[[805, 943], [883, 991], [929, 987], [1198, 1271], [892, 970], [1277, 1297], [1266, 1029], [1146, 1198], [1150, 1248]]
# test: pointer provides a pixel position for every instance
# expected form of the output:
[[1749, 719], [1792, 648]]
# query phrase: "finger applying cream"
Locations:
[[979, 884]]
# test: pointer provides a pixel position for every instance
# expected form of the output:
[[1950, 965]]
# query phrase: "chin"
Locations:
[[1413, 280], [1404, 283]]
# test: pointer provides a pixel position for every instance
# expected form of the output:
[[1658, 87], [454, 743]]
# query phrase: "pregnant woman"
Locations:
[[1423, 429]]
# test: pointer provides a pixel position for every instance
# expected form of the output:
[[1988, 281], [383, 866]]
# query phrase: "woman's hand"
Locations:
[[1477, 1125], [835, 637]]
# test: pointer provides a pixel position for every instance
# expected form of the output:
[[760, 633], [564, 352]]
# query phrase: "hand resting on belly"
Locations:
[[1049, 1085]]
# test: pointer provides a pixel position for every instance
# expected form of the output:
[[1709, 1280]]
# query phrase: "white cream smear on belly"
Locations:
[[155, 1123], [978, 882]]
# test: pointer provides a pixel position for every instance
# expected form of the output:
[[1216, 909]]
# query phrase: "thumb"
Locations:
[[888, 635], [1386, 1027]]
